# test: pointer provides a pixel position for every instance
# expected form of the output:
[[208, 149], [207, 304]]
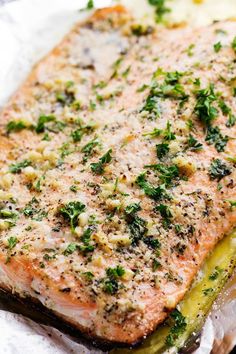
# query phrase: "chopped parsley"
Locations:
[[189, 50], [13, 126], [232, 203], [115, 272], [160, 9], [155, 265], [17, 167], [155, 133], [167, 173], [71, 211], [218, 170], [217, 47], [162, 150], [225, 109], [98, 167], [152, 242], [170, 88], [71, 248], [193, 144], [110, 283], [156, 193], [178, 328], [85, 238], [204, 108], [233, 45], [141, 29], [215, 137], [73, 188], [11, 242], [40, 127], [89, 276], [79, 132], [152, 106], [231, 121], [88, 148], [215, 274], [137, 225], [77, 135], [32, 211], [166, 214], [90, 4], [168, 134], [207, 291], [132, 208]]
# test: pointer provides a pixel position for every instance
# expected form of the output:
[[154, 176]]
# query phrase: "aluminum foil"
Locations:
[[28, 30]]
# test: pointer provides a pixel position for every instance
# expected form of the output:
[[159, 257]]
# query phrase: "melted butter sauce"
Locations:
[[196, 304]]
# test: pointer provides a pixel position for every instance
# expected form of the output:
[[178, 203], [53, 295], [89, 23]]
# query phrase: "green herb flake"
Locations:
[[98, 167], [207, 291], [90, 5], [77, 135], [40, 127], [162, 150], [13, 126], [85, 238], [160, 9], [17, 167], [11, 242], [166, 214], [168, 134], [137, 225], [217, 47], [215, 137], [32, 210], [167, 173], [153, 134], [178, 327], [88, 148], [231, 121], [111, 284], [73, 188], [71, 211], [215, 274], [88, 275], [232, 203], [156, 193], [193, 144], [71, 248], [204, 108], [141, 29], [189, 50], [218, 170], [152, 242], [233, 45], [155, 265]]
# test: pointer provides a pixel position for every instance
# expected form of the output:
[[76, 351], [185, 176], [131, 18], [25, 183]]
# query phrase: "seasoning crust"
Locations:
[[117, 176]]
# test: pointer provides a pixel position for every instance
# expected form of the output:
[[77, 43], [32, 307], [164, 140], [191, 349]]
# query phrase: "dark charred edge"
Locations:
[[33, 309]]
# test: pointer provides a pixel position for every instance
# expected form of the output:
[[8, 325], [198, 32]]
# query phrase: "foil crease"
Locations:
[[28, 30]]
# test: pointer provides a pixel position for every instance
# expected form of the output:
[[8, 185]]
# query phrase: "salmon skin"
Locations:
[[117, 176]]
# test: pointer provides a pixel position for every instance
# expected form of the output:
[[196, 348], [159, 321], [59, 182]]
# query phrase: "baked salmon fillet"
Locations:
[[117, 161]]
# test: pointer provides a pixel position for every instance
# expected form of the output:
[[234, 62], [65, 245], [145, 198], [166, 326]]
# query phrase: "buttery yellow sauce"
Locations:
[[196, 304]]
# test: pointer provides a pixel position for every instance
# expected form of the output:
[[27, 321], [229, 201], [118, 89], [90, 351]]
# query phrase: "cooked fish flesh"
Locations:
[[117, 177]]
